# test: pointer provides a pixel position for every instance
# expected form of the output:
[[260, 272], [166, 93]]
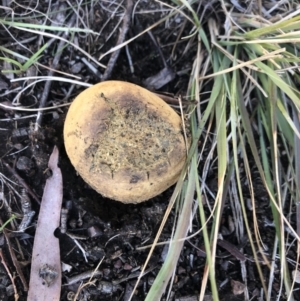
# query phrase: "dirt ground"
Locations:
[[105, 229]]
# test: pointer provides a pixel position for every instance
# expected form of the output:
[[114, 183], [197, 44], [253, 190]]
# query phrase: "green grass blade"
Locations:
[[34, 58], [162, 279], [45, 27]]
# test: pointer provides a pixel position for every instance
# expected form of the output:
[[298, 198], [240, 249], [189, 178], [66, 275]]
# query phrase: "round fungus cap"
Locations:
[[124, 141]]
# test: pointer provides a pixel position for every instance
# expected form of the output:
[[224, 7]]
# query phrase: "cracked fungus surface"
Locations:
[[131, 135]]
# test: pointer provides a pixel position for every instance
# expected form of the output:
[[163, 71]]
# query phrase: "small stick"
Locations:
[[121, 38], [28, 214], [14, 259], [83, 276], [22, 182], [174, 100], [10, 276], [78, 245], [129, 59], [47, 86], [158, 48]]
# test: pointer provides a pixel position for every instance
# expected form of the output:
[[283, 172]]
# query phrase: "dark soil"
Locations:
[[110, 230]]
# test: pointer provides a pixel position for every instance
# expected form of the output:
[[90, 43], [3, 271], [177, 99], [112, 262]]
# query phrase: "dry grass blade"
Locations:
[[36, 32], [275, 116]]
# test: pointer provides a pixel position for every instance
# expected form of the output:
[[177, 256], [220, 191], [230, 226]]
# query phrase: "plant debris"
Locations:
[[45, 263]]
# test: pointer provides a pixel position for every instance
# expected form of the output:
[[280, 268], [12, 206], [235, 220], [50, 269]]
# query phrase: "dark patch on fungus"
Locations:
[[132, 136], [134, 179]]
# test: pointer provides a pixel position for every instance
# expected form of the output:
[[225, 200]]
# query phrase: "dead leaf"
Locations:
[[45, 275], [237, 287], [233, 250], [4, 82], [160, 79]]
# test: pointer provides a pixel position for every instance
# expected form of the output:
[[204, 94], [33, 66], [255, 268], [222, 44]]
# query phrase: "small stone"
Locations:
[[24, 163], [127, 267], [76, 68], [94, 231], [118, 264]]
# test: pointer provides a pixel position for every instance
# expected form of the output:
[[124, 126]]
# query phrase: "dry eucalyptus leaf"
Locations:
[[45, 275], [232, 249]]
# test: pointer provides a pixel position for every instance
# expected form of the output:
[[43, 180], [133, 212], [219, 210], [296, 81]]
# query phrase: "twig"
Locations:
[[28, 214], [155, 43], [14, 259], [78, 245], [16, 262], [129, 59], [174, 100], [158, 48], [94, 273], [83, 276], [10, 276], [121, 38], [47, 87], [22, 182]]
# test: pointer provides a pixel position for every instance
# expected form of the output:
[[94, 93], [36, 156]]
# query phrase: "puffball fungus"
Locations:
[[124, 141]]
